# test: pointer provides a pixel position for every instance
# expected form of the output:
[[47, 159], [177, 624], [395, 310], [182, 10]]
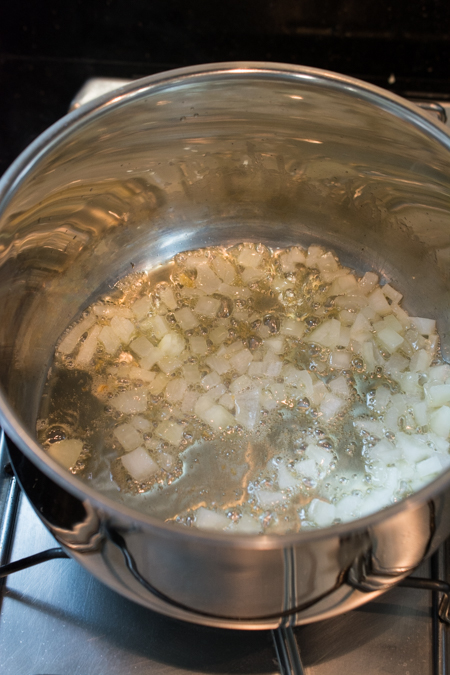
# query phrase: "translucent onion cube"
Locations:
[[307, 468], [248, 257], [321, 456], [368, 282], [141, 423], [203, 403], [169, 364], [224, 269], [123, 328], [141, 307], [272, 368], [340, 360], [175, 389], [429, 466], [420, 361], [322, 513], [327, 334], [139, 464], [248, 408], [361, 328], [218, 334], [420, 413], [227, 400], [330, 406], [211, 380], [143, 374], [413, 449], [207, 306], [291, 258], [158, 326], [217, 391], [293, 328], [424, 326], [130, 402], [250, 275], [206, 519], [218, 417], [198, 345], [186, 318], [267, 498], [247, 524], [340, 387], [240, 384], [70, 339], [391, 293], [378, 302], [343, 284], [218, 363], [152, 356], [167, 296], [189, 400], [191, 373], [440, 421], [66, 452], [109, 339], [127, 436], [158, 384], [172, 344], [241, 361], [437, 395], [88, 347], [170, 431], [141, 346], [206, 280], [286, 479], [390, 339]]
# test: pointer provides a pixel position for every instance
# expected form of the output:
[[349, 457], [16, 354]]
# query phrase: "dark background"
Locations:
[[48, 48]]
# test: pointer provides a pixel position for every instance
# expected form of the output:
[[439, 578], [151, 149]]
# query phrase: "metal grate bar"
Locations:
[[287, 651]]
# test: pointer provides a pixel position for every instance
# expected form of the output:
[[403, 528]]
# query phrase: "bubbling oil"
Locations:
[[247, 390]]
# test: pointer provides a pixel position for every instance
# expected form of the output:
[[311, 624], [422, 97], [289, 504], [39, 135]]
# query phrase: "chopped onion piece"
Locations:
[[87, 349], [440, 421], [218, 363], [340, 387], [211, 380], [109, 339], [172, 432], [227, 400], [141, 307], [391, 293], [127, 436], [219, 334], [66, 452], [250, 275], [123, 328], [206, 519], [71, 339], [424, 326], [438, 395], [368, 282], [234, 291], [136, 373], [241, 361], [189, 401], [327, 334], [130, 402], [224, 269], [198, 345], [206, 279], [158, 384], [248, 257], [240, 384], [141, 423], [330, 406], [340, 360], [186, 318], [378, 302], [175, 389], [154, 355], [429, 466], [248, 408], [167, 296], [141, 346], [218, 417], [321, 512], [390, 338], [139, 464], [207, 306], [293, 328]]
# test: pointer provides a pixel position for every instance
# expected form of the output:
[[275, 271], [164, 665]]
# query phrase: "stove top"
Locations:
[[57, 619]]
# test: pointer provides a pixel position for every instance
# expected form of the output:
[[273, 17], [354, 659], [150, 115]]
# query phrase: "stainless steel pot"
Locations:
[[202, 156]]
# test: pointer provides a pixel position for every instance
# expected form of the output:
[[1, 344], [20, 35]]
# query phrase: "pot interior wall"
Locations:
[[216, 161]]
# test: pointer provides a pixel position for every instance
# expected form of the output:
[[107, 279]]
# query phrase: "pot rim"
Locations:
[[63, 128]]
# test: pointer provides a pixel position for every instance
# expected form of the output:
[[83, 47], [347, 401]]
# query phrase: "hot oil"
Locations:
[[220, 470]]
